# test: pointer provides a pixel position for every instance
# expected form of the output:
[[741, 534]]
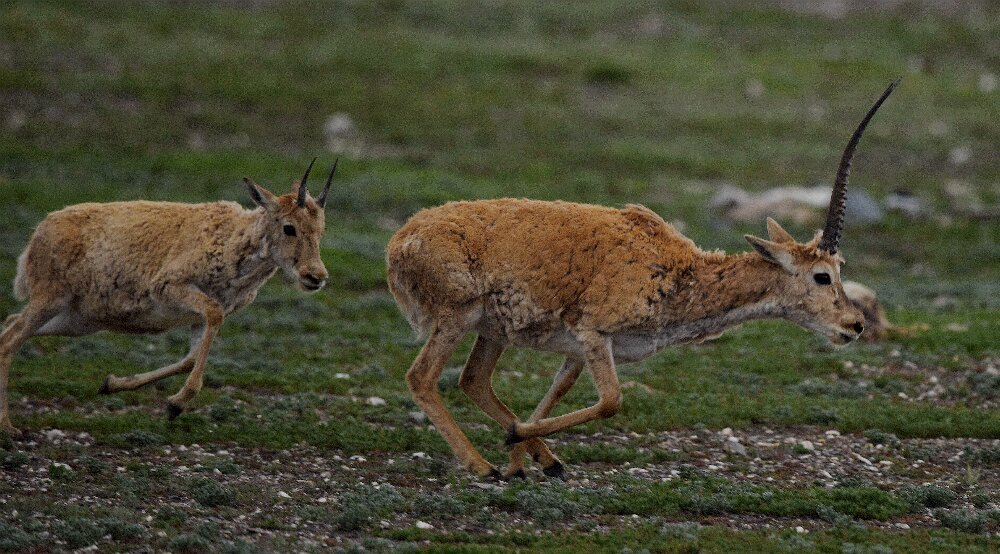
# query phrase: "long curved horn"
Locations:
[[322, 197], [302, 186], [838, 200]]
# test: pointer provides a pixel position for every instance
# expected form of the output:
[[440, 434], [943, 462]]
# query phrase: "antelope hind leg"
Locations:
[[551, 465], [422, 379]]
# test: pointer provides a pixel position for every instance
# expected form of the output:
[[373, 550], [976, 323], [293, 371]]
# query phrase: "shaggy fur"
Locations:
[[146, 267], [599, 285]]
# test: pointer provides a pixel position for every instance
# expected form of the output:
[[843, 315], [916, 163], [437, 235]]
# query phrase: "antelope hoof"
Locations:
[[494, 475], [556, 470], [519, 474], [106, 385], [8, 429], [512, 436], [173, 410]]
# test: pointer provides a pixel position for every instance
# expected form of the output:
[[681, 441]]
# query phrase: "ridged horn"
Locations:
[[302, 186], [322, 197], [838, 199]]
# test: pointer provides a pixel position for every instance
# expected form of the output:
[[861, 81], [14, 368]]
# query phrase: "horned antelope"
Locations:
[[599, 285], [146, 267]]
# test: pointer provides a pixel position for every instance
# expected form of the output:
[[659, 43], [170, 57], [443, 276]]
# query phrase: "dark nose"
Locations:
[[312, 279], [858, 327]]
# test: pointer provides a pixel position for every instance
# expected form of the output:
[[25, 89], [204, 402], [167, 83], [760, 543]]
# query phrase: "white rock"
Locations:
[[987, 82], [727, 432], [358, 458], [375, 401], [754, 88], [418, 417], [342, 376], [322, 500], [833, 433], [284, 494], [801, 530], [339, 125], [902, 525], [424, 525], [808, 445], [862, 459], [960, 155], [420, 456], [734, 447], [54, 434]]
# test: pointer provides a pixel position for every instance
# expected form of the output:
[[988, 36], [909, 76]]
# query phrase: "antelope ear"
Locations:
[[260, 195], [773, 252], [776, 233]]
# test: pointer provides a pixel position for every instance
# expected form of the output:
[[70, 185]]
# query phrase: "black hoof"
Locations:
[[556, 470], [105, 387], [494, 475], [519, 474], [512, 436], [173, 410]]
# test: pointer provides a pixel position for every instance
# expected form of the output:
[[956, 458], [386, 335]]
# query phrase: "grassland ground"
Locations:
[[305, 437]]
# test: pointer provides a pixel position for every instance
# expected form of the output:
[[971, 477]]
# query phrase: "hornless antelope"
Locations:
[[600, 285], [146, 267]]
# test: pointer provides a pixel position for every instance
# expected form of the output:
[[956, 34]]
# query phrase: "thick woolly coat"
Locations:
[[530, 273], [115, 260]]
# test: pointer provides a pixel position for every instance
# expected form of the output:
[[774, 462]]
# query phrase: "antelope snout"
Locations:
[[852, 329], [313, 280]]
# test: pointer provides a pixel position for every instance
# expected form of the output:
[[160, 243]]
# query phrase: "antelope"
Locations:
[[145, 267], [599, 285]]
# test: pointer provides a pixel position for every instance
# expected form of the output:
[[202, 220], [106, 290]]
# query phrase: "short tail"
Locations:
[[21, 288]]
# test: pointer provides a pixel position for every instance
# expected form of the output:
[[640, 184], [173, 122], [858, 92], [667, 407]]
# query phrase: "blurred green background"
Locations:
[[613, 102]]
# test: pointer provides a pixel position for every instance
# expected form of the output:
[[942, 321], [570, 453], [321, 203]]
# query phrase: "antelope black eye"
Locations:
[[822, 278], [289, 230]]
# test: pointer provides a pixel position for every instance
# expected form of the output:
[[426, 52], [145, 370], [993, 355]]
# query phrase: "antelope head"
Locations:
[[809, 291], [295, 224]]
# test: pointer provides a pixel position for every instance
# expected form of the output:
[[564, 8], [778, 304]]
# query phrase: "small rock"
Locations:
[[862, 208], [906, 203], [801, 530], [734, 447], [420, 456], [424, 525], [754, 88], [375, 401], [832, 433], [54, 434], [960, 155], [727, 432], [807, 445], [418, 417], [902, 525], [342, 376], [284, 494], [339, 125], [987, 82]]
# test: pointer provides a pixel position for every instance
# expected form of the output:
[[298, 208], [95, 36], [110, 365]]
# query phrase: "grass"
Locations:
[[602, 101]]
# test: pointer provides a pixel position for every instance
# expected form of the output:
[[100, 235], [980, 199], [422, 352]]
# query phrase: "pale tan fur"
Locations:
[[146, 267], [597, 284]]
